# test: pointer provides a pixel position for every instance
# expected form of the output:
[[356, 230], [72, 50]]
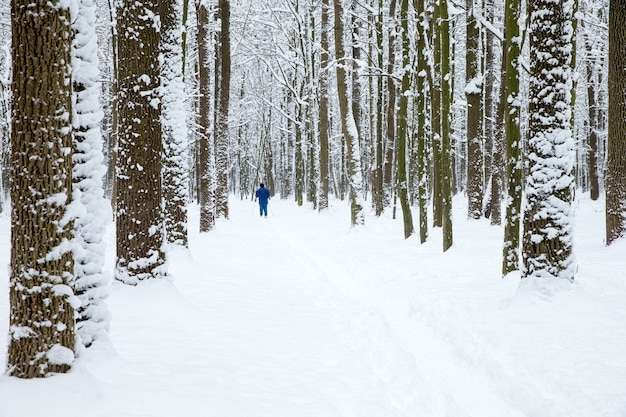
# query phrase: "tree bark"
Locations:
[[175, 165], [222, 83], [402, 123], [513, 155], [473, 93], [323, 107], [446, 148], [42, 302], [350, 132], [140, 148], [615, 180], [206, 155], [548, 214]]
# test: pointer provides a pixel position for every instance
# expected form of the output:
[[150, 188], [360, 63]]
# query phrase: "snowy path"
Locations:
[[299, 315], [282, 339]]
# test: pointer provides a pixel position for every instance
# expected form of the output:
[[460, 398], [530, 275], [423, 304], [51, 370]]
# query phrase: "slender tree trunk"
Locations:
[[402, 123], [299, 154], [422, 157], [436, 117], [222, 78], [446, 148], [349, 129], [206, 151], [42, 301], [615, 180], [592, 137], [490, 116], [497, 149], [379, 187], [323, 112], [390, 144], [513, 155], [473, 93]]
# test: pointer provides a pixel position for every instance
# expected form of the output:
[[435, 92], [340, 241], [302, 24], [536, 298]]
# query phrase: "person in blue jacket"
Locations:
[[263, 195]]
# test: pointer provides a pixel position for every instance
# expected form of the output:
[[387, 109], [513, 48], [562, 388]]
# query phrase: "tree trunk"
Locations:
[[175, 169], [379, 202], [222, 82], [323, 110], [92, 283], [497, 148], [350, 132], [435, 102], [206, 151], [422, 157], [473, 92], [402, 123], [446, 148], [593, 128], [390, 144], [140, 149], [615, 180], [513, 155], [547, 241], [42, 302]]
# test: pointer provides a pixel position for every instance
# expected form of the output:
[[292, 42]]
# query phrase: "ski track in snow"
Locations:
[[299, 315]]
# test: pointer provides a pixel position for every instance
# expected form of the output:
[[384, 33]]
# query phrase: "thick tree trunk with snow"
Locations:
[[140, 148], [175, 163], [548, 214], [92, 283], [615, 181], [42, 302], [350, 132]]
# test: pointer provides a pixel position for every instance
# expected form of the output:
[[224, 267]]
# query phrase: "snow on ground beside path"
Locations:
[[300, 315]]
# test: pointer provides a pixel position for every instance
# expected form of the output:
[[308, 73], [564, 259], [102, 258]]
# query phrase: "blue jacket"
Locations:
[[263, 194]]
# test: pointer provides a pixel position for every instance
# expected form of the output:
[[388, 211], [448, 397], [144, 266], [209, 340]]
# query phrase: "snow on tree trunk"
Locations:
[[92, 283], [206, 152], [473, 93], [402, 123], [446, 148], [139, 218], [324, 124], [615, 181], [513, 143], [435, 108], [42, 300], [422, 166], [175, 162], [547, 238], [349, 129], [390, 143], [222, 85]]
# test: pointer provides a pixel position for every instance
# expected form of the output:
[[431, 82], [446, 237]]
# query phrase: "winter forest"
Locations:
[[474, 131]]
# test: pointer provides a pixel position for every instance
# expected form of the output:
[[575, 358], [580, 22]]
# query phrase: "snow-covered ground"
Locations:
[[298, 315]]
